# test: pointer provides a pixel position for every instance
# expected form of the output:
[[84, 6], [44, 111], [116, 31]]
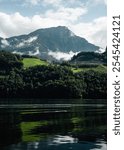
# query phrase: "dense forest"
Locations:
[[48, 81], [90, 57]]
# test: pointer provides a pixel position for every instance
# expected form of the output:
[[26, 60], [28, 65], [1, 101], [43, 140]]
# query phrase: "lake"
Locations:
[[54, 125]]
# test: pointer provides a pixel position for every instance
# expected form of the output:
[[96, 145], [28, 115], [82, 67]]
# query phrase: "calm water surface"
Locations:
[[53, 126]]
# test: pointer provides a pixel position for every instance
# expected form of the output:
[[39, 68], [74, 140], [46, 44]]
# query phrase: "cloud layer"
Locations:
[[27, 42], [16, 24], [58, 12], [61, 55]]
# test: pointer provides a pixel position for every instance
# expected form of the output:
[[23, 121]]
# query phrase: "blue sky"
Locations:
[[86, 18]]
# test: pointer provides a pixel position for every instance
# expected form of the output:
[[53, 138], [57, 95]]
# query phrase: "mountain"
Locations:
[[43, 41]]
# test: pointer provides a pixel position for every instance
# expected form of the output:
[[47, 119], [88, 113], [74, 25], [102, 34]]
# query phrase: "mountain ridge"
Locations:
[[41, 41]]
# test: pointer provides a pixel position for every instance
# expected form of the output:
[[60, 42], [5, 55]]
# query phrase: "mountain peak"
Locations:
[[42, 41], [53, 28], [54, 32], [62, 27]]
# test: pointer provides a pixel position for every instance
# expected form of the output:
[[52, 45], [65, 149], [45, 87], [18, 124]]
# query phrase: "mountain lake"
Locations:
[[53, 125]]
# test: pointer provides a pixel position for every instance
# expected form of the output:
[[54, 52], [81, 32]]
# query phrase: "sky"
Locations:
[[86, 18]]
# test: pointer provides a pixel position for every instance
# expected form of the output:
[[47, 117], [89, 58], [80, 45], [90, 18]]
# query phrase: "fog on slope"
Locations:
[[62, 56]]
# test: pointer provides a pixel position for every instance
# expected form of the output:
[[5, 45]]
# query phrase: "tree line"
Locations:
[[52, 81]]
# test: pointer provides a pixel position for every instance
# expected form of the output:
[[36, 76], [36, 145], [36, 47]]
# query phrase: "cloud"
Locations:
[[5, 43], [27, 42], [55, 3], [31, 39], [52, 2], [17, 24], [37, 52], [61, 55], [16, 52], [67, 14], [95, 31], [13, 24]]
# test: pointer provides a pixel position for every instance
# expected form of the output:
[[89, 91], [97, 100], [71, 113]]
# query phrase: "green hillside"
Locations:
[[30, 77], [99, 68], [30, 62]]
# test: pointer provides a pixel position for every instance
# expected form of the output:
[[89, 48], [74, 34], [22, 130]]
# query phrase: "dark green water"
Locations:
[[66, 126]]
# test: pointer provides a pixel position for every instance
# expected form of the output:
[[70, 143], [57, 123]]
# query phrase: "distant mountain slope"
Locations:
[[42, 41]]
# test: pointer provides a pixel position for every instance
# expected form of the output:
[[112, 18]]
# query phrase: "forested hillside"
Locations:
[[8, 61], [90, 57], [48, 81]]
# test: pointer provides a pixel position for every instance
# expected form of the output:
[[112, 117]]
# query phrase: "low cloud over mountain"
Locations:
[[55, 42]]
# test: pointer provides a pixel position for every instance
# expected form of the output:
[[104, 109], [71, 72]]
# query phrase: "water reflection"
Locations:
[[10, 131], [67, 146], [76, 128]]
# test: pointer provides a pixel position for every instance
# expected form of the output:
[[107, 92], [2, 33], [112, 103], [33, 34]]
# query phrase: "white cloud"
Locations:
[[56, 3], [5, 43], [52, 2], [27, 42], [67, 14], [31, 39], [20, 45], [16, 24], [95, 31], [32, 53], [16, 52], [37, 52], [13, 24], [64, 3], [61, 55]]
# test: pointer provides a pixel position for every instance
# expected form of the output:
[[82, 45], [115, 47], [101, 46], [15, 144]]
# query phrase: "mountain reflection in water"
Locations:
[[53, 127]]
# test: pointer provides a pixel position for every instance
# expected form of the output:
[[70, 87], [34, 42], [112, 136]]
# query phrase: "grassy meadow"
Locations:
[[31, 62]]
